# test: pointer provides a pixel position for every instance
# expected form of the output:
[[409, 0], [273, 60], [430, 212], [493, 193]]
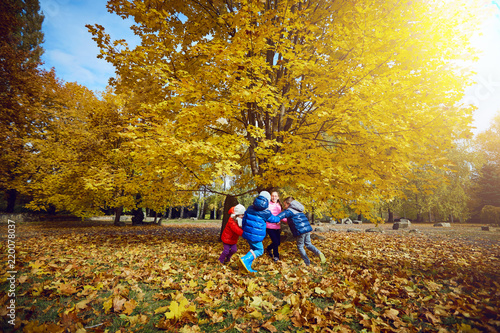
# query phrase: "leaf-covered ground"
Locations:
[[83, 278]]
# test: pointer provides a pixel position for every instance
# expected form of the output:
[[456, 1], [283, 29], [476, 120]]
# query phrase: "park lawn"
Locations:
[[154, 278]]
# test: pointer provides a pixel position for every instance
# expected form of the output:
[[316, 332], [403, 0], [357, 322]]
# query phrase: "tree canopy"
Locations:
[[335, 98], [20, 87]]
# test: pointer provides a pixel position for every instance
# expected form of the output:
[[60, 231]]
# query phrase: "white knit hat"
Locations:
[[239, 209], [266, 195]]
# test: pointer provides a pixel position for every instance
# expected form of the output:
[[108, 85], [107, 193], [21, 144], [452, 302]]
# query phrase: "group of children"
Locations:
[[264, 217]]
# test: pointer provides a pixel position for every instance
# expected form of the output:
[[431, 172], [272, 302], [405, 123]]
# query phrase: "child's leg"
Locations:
[[300, 246], [274, 234], [312, 248], [257, 248], [225, 253], [232, 250], [278, 243], [269, 248]]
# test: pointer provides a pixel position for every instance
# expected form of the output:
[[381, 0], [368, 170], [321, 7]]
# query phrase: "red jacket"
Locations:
[[232, 231]]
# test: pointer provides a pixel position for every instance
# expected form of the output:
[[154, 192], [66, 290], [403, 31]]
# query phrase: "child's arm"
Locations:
[[273, 219], [284, 215], [236, 228], [279, 217]]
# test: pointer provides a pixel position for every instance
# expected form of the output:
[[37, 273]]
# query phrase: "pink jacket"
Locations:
[[275, 209]]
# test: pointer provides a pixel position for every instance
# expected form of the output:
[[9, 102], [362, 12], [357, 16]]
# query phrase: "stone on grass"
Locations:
[[319, 237], [401, 225], [346, 221], [357, 222], [319, 229], [354, 230], [375, 230], [487, 228], [442, 224], [414, 231]]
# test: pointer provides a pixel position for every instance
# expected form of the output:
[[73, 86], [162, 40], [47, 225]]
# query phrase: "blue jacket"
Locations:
[[297, 220], [255, 218]]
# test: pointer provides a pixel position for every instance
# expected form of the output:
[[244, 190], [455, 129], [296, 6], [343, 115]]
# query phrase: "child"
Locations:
[[274, 229], [254, 228], [231, 233], [300, 227]]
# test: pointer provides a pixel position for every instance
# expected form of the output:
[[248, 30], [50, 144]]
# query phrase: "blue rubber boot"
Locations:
[[246, 262]]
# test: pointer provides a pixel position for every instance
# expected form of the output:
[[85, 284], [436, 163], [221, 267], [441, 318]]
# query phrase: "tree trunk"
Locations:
[[230, 201], [451, 218], [201, 208], [201, 215], [430, 216], [391, 215], [218, 213], [169, 213], [118, 214], [182, 213], [419, 217], [11, 200], [156, 216]]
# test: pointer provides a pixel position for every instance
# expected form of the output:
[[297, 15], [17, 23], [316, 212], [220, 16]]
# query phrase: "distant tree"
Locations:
[[489, 141], [488, 186], [490, 214], [20, 88], [30, 35], [486, 190]]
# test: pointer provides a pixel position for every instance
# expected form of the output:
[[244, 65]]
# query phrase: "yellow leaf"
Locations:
[[318, 290], [251, 286], [391, 314], [107, 305], [285, 309], [174, 311], [210, 284], [82, 304], [163, 309], [177, 309], [256, 314]]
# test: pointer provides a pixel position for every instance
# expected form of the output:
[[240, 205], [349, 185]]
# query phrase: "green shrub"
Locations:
[[490, 214]]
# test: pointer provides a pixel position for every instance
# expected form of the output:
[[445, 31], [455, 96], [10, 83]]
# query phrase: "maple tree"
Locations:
[[74, 165], [20, 87], [333, 99], [442, 193], [79, 161]]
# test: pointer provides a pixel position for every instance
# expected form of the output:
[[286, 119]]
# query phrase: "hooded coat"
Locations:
[[297, 220], [255, 218], [232, 231]]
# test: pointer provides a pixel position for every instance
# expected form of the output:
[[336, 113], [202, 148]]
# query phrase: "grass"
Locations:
[[128, 279]]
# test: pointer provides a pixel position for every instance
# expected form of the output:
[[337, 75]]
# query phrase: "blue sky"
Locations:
[[69, 48]]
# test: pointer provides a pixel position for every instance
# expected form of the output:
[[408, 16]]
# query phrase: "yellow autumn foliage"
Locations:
[[335, 101]]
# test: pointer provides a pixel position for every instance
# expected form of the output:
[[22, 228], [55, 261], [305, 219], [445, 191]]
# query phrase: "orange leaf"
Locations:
[[129, 306]]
